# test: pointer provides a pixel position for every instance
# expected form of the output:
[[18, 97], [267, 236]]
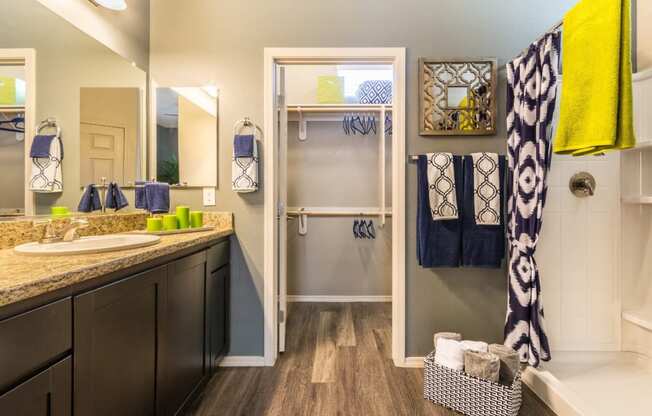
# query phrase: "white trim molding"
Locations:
[[243, 361], [414, 362], [307, 56], [339, 299]]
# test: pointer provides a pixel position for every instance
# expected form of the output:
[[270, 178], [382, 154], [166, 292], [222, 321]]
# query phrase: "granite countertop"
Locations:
[[23, 277]]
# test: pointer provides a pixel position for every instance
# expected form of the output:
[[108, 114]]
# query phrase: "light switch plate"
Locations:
[[209, 196]]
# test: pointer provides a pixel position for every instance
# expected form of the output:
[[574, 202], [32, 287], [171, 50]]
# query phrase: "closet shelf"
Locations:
[[338, 108], [637, 200], [12, 109], [641, 317]]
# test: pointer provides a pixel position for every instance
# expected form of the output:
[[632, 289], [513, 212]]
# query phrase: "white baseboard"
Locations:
[[559, 398], [242, 361], [414, 362], [341, 299]]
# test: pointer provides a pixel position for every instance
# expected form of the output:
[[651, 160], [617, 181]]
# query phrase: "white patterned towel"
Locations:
[[486, 188], [244, 172], [441, 186], [46, 174]]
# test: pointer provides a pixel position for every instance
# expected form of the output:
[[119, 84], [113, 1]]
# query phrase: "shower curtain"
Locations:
[[531, 96]]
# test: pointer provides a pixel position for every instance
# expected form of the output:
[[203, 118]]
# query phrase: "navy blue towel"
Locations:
[[482, 245], [115, 198], [90, 200], [243, 145], [157, 197], [439, 243], [41, 146], [140, 200]]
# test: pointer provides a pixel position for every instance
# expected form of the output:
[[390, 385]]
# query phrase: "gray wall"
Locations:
[[223, 42], [331, 169]]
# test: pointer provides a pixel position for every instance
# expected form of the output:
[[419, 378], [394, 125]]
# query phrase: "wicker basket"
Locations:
[[469, 395]]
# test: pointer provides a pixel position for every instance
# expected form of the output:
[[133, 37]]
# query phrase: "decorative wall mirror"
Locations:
[[457, 97]]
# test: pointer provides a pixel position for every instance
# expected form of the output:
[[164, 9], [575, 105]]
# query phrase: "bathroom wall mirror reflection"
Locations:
[[185, 132], [96, 97]]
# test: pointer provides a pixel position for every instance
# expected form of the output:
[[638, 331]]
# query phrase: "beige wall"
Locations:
[[66, 61], [125, 32], [644, 35]]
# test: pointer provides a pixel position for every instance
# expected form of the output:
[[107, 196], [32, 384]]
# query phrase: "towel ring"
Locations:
[[244, 123], [49, 122]]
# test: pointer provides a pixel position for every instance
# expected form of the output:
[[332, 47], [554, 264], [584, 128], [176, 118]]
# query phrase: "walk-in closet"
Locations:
[[335, 174]]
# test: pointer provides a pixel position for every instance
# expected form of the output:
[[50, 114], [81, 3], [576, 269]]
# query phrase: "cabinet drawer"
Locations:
[[31, 340], [218, 256]]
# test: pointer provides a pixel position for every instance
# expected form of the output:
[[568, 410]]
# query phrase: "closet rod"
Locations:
[[336, 109], [314, 213]]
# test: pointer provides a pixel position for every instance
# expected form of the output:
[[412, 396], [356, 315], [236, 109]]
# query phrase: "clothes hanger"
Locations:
[[362, 229], [355, 229], [371, 230]]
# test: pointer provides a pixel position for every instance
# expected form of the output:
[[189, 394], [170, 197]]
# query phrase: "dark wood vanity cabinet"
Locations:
[[182, 346], [116, 332], [142, 345]]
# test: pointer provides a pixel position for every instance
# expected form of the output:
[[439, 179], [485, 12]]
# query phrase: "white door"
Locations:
[[102, 153], [282, 207]]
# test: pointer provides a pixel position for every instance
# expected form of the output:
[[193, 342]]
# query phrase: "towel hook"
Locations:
[[303, 126], [49, 122]]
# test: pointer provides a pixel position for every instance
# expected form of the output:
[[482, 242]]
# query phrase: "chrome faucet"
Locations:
[[68, 233]]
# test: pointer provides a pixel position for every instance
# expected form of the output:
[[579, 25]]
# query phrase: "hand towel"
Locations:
[[140, 197], [449, 353], [442, 186], [439, 243], [41, 146], [483, 245], [90, 200], [486, 188], [510, 364], [243, 145], [46, 176], [157, 195], [477, 346], [596, 112], [244, 171], [483, 365], [446, 335], [115, 198]]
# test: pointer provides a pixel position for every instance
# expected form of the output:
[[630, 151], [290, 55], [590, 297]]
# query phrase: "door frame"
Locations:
[[396, 58], [28, 57]]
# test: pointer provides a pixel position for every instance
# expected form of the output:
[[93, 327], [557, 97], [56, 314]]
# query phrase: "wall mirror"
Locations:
[[49, 69], [457, 97], [184, 147]]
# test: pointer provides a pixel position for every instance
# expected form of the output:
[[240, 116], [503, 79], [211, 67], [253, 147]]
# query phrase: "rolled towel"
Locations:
[[484, 365], [446, 335], [449, 353], [509, 362], [477, 346]]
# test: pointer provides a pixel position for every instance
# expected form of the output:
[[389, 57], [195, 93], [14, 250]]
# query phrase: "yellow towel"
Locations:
[[596, 112]]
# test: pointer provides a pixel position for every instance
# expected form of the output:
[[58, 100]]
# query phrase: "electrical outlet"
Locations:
[[209, 196]]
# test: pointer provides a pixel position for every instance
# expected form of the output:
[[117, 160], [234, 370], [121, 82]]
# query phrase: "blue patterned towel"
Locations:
[[41, 146], [483, 243], [439, 243]]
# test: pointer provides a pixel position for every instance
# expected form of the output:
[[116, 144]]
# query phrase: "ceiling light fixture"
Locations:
[[111, 4]]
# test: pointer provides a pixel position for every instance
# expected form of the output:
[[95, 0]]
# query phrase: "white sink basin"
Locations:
[[88, 245]]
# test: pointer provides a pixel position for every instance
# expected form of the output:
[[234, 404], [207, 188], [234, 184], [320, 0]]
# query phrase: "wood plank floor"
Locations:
[[338, 362]]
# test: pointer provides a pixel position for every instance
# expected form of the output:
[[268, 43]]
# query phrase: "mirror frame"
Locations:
[[427, 101]]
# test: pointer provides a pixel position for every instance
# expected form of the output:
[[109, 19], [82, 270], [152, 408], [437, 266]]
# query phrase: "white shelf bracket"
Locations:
[[303, 126]]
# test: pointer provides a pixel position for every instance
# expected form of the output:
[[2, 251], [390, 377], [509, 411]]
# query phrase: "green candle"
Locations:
[[154, 224], [170, 222], [59, 212], [183, 215], [196, 219]]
